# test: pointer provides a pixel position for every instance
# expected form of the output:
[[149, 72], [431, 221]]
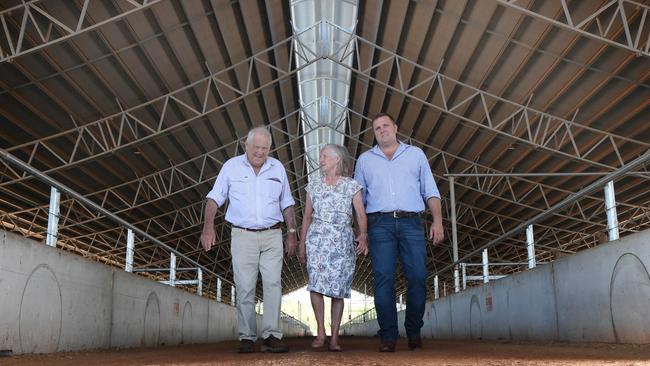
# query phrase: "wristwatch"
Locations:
[[292, 230]]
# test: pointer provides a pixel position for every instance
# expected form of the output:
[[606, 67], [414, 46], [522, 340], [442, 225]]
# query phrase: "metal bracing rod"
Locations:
[[175, 177], [93, 136], [26, 12], [60, 186], [548, 174], [505, 185], [172, 172], [603, 16], [175, 180], [489, 232], [194, 221], [640, 161], [541, 129], [484, 187], [193, 218], [170, 192], [569, 244], [97, 139], [499, 264]]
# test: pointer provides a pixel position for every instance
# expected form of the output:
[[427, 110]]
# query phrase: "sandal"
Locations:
[[334, 348], [318, 343]]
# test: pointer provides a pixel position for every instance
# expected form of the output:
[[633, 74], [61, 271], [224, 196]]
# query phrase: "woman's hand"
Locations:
[[302, 254]]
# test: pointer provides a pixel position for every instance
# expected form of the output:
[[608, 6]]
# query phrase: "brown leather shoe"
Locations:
[[387, 347], [246, 346], [415, 343], [274, 345]]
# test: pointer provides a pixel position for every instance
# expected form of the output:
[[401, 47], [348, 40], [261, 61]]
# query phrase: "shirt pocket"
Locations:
[[273, 189]]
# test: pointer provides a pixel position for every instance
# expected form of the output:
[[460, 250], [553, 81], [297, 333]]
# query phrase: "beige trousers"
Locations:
[[254, 252]]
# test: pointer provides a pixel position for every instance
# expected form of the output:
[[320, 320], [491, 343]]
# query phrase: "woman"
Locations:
[[327, 239]]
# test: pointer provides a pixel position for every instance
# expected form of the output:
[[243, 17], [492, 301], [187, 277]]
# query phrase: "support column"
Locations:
[[436, 288], [365, 297], [610, 207], [130, 242], [486, 273], [232, 295], [464, 268], [454, 233], [218, 297], [172, 269], [199, 285], [53, 218], [530, 245]]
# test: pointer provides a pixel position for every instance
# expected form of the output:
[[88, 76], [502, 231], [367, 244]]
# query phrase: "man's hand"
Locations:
[[207, 237], [362, 244], [436, 233], [290, 244]]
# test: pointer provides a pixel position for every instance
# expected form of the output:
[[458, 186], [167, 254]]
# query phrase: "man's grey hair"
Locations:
[[343, 168], [259, 130]]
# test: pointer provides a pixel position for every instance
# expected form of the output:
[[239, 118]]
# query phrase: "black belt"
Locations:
[[396, 214], [276, 226]]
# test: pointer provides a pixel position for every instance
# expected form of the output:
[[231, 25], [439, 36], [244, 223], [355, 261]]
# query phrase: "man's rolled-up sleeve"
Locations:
[[219, 192], [428, 187], [286, 199], [359, 177]]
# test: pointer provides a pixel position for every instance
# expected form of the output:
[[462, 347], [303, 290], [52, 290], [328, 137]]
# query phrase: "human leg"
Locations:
[[383, 254], [412, 252], [318, 304], [270, 266], [337, 313]]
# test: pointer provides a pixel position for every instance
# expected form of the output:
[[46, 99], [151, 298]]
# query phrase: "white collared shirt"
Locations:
[[256, 201]]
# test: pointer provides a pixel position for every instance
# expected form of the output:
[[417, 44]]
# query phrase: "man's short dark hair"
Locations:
[[383, 114]]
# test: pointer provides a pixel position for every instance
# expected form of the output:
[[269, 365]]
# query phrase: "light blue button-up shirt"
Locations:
[[256, 201], [404, 183]]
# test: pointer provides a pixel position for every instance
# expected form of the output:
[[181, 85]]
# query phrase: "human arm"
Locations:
[[362, 223], [306, 221], [207, 235], [436, 232], [290, 222]]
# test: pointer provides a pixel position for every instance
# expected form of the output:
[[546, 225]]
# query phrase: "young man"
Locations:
[[397, 181]]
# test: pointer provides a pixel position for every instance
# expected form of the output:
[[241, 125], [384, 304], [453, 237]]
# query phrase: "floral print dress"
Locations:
[[329, 245]]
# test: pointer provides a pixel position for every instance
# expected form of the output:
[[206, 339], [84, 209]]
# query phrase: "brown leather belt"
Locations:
[[276, 226], [396, 214]]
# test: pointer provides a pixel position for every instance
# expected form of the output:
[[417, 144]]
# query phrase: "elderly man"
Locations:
[[260, 200], [397, 181]]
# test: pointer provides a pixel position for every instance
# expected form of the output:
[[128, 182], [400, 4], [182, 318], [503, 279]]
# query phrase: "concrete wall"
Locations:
[[598, 295], [51, 300]]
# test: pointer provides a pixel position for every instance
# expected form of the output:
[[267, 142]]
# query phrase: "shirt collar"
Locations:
[[400, 149], [266, 166]]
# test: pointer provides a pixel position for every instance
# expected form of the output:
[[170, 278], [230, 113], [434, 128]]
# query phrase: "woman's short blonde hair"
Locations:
[[343, 168]]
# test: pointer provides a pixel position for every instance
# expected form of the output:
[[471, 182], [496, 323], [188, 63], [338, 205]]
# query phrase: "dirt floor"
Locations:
[[358, 351]]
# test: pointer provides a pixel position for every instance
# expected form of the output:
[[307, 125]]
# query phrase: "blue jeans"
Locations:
[[390, 237]]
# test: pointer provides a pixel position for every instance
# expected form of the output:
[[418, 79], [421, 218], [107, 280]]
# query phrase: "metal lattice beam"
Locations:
[[48, 28], [598, 23]]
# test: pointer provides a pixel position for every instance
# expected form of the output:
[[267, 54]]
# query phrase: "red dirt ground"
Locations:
[[357, 351]]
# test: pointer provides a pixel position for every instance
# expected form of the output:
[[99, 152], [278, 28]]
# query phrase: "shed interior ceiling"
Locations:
[[139, 113]]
